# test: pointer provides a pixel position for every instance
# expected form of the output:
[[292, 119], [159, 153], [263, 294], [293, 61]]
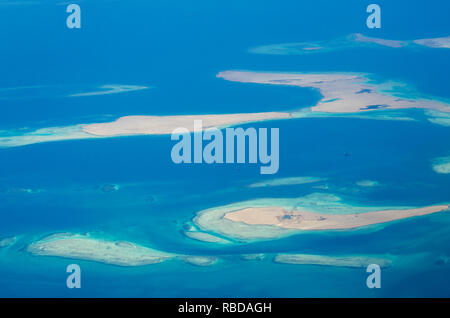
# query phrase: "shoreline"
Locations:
[[264, 219], [349, 95]]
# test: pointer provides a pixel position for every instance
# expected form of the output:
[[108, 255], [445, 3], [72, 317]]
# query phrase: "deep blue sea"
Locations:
[[177, 48]]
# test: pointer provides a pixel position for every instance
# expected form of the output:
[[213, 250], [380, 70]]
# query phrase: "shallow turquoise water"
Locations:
[[177, 49]]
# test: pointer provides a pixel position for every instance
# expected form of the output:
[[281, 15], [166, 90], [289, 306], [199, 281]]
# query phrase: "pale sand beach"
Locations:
[[162, 125], [7, 241], [253, 257], [305, 220], [339, 261], [341, 93], [285, 181], [443, 42], [83, 247], [205, 237]]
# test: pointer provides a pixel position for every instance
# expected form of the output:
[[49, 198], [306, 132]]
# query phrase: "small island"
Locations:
[[305, 220], [339, 261], [107, 251], [276, 218], [7, 241], [441, 165], [341, 92], [85, 247]]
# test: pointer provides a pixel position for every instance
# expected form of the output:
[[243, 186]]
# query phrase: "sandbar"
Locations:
[[285, 181], [7, 241], [443, 42], [263, 219], [339, 261], [84, 247], [343, 94], [135, 125], [358, 37], [306, 220], [200, 260], [441, 165], [367, 183], [205, 237], [438, 118], [110, 89], [253, 257], [107, 251], [351, 41], [163, 125]]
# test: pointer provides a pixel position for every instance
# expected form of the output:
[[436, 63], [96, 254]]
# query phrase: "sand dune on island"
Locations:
[[77, 246], [305, 220]]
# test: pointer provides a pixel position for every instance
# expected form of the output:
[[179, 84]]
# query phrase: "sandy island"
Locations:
[[438, 118], [351, 41], [200, 260], [339, 261], [276, 218], [163, 125], [347, 95], [342, 93], [205, 237], [86, 248], [305, 220], [120, 253]]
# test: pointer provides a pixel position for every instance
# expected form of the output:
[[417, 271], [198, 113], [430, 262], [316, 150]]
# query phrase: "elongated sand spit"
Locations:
[[163, 125], [339, 261], [304, 220]]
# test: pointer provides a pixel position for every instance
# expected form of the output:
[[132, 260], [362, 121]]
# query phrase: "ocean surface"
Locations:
[[176, 48]]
